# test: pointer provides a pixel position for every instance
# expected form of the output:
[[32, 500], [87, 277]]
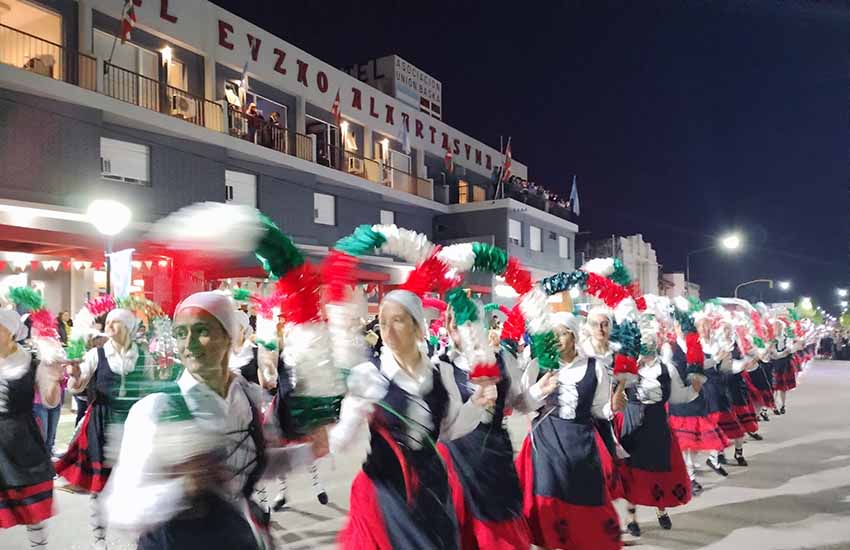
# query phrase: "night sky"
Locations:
[[681, 119]]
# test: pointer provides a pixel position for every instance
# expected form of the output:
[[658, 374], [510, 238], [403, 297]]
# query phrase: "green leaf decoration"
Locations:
[[545, 348], [25, 297], [564, 281], [362, 241], [621, 275], [276, 252], [490, 259], [464, 309]]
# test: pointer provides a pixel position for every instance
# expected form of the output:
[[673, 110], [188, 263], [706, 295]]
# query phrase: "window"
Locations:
[[536, 237], [141, 88], [387, 217], [240, 188], [515, 232], [324, 209], [563, 246], [124, 161], [177, 77]]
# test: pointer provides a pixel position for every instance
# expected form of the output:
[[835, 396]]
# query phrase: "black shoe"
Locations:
[[696, 488], [776, 412], [739, 456], [763, 415], [755, 436], [323, 497], [634, 529], [717, 468], [664, 521], [782, 410], [721, 458], [279, 502]]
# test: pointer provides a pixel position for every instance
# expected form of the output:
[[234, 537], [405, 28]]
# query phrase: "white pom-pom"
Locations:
[[267, 327], [344, 324], [625, 310], [307, 351], [409, 245], [476, 346], [599, 266], [535, 310], [682, 304], [458, 256], [83, 325], [231, 229]]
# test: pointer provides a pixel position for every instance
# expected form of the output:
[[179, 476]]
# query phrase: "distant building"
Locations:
[[637, 256], [673, 285]]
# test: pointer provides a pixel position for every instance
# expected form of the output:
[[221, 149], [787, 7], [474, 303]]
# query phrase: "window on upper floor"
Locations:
[[324, 209], [515, 232], [536, 238], [240, 188], [124, 161], [563, 246], [387, 217]]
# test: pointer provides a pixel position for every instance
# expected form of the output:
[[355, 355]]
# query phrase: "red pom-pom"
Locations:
[[430, 274], [634, 290], [623, 364], [517, 276], [484, 371], [514, 326], [299, 289], [606, 290], [695, 355], [640, 302], [338, 274], [264, 306], [44, 324], [101, 304]]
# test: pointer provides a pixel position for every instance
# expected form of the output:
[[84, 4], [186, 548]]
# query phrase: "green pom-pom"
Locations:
[[564, 281], [271, 346], [627, 335], [276, 251], [685, 320], [25, 297], [695, 304], [363, 241], [792, 312], [491, 307], [464, 309], [758, 342], [76, 349], [544, 346], [789, 333], [241, 294], [490, 259], [309, 413], [621, 275]]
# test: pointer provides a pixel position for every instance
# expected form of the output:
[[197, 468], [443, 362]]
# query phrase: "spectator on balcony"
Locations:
[[274, 133], [255, 123]]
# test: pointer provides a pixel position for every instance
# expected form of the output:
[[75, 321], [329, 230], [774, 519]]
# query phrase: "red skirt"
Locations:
[[728, 423], [698, 433], [658, 489], [785, 379], [82, 465], [746, 417], [759, 397], [558, 524], [609, 469], [26, 505], [365, 529], [477, 533]]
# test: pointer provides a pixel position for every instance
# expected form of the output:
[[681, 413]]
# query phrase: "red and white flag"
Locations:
[[128, 20], [450, 165], [506, 165], [336, 111]]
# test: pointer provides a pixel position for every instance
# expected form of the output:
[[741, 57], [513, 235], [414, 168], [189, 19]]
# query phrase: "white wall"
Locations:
[[640, 259]]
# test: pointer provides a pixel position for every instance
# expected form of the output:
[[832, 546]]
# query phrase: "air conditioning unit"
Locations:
[[355, 165], [183, 106], [105, 166]]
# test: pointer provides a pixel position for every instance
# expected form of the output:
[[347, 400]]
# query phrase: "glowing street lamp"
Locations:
[[110, 218], [841, 292], [731, 241], [784, 286]]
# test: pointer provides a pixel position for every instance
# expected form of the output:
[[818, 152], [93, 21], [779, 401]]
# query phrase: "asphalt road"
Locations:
[[795, 494]]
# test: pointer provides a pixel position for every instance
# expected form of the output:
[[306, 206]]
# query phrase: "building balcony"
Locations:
[[41, 57]]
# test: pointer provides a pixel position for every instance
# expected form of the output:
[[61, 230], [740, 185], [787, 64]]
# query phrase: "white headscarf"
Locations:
[[411, 303], [218, 305], [126, 317], [12, 322], [566, 319]]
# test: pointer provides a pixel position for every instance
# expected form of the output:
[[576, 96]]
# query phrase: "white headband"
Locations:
[[410, 302], [218, 305], [12, 322], [126, 317], [566, 319]]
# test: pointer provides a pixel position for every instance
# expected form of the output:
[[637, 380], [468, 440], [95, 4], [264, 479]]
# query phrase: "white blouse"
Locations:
[[121, 363], [569, 375], [649, 388], [367, 385]]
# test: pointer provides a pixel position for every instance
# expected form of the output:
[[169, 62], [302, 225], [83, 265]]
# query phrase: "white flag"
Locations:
[[574, 197], [121, 272]]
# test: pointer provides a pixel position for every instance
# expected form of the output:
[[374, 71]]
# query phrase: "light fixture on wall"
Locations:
[[385, 146], [166, 55]]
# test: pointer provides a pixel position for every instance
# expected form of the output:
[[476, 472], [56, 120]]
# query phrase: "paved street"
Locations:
[[795, 494]]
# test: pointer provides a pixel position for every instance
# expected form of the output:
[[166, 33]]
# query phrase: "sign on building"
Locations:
[[404, 81]]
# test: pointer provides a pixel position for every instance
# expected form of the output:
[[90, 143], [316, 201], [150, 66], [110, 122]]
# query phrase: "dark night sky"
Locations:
[[681, 118]]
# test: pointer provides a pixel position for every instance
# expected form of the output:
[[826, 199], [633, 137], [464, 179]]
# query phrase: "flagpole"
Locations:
[[115, 38]]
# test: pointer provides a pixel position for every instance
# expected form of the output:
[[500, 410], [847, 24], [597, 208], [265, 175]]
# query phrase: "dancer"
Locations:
[[654, 473], [689, 421], [107, 376], [26, 473], [490, 514], [193, 452], [565, 496], [401, 497], [784, 379]]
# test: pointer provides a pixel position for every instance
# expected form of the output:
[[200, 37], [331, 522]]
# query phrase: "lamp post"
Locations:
[[730, 242], [783, 285], [109, 217]]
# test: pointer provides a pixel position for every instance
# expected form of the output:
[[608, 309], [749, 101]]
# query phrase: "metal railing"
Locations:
[[31, 53], [269, 134], [130, 86], [378, 172], [194, 109]]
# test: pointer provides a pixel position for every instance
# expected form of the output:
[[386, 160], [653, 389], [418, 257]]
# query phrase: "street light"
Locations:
[[730, 242], [784, 286], [842, 292], [110, 218], [806, 302]]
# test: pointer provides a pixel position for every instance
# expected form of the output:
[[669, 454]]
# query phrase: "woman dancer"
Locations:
[[26, 473], [401, 498], [565, 496]]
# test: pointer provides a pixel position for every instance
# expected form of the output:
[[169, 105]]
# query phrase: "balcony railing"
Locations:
[[34, 54], [31, 53]]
